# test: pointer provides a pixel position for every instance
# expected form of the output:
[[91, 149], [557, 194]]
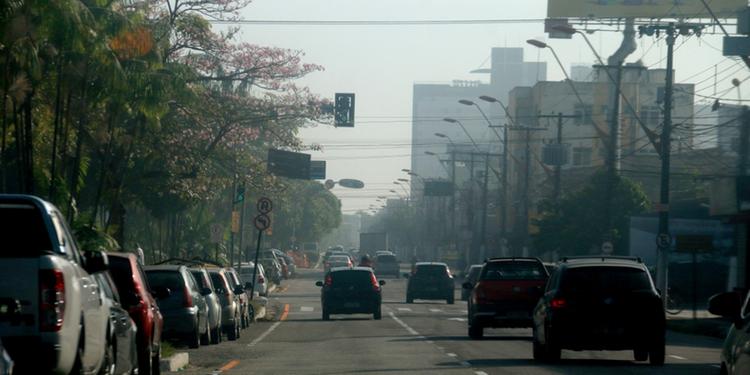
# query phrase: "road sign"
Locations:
[[265, 206], [351, 183], [663, 240], [262, 222], [217, 233], [317, 170], [289, 164], [329, 184], [235, 221]]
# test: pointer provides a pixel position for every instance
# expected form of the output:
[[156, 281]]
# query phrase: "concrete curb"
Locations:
[[175, 362]]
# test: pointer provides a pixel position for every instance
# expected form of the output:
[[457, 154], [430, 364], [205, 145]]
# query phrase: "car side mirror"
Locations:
[[161, 292], [318, 283], [206, 291], [726, 305], [96, 261], [381, 282], [467, 285]]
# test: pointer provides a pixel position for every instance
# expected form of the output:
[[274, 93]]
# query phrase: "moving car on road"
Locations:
[[601, 303], [337, 261], [135, 296], [387, 264], [51, 314], [184, 306], [735, 355], [505, 295], [430, 281], [470, 279], [351, 291]]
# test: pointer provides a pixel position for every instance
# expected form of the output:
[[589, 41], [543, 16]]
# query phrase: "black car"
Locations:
[[351, 291], [602, 303], [735, 356], [430, 281]]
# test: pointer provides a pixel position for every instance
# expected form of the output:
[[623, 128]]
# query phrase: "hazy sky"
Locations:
[[381, 63]]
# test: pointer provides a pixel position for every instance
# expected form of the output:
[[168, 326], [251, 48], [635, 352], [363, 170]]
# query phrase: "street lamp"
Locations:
[[406, 170], [403, 180], [430, 153], [454, 121]]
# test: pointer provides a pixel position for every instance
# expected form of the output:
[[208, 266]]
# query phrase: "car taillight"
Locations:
[[557, 303], [188, 297], [329, 280], [479, 293], [261, 280], [374, 280], [51, 300]]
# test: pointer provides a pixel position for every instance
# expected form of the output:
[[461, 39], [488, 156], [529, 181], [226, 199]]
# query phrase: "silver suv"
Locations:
[[52, 319]]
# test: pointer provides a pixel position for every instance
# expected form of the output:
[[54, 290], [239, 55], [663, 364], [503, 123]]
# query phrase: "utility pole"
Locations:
[[483, 229], [453, 201], [504, 192], [744, 146], [560, 157]]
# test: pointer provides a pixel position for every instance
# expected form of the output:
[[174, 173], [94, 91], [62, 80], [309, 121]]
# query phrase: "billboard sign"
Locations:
[[643, 8], [317, 170], [289, 164]]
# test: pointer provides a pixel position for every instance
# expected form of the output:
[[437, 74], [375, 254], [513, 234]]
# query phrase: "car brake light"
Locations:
[[374, 280], [51, 300], [329, 280], [261, 280], [557, 303], [188, 297]]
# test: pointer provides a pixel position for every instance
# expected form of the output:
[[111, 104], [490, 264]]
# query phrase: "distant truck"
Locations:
[[369, 243]]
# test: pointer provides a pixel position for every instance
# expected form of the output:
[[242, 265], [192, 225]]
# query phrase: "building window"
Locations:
[[651, 116], [583, 114], [581, 156]]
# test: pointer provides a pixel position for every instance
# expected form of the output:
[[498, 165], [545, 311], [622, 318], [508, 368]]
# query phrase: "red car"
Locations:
[[505, 294], [137, 300]]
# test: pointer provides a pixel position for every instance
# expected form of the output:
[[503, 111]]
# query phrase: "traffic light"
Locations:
[[344, 110], [240, 197]]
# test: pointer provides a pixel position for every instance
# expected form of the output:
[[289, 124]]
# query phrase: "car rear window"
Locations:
[[357, 278], [23, 232], [169, 279], [201, 279], [474, 273], [510, 270], [599, 280], [121, 274], [386, 259], [339, 259], [218, 281], [431, 270]]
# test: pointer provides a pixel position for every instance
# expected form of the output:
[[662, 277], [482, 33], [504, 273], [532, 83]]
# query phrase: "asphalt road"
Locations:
[[424, 337]]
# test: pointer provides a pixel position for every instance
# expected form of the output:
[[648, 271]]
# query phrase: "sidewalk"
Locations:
[[706, 324]]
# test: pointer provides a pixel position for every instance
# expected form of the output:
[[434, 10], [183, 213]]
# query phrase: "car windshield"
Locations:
[[510, 270], [604, 280]]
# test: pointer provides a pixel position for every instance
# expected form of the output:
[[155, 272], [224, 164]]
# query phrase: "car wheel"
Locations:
[[156, 362], [110, 356], [250, 315], [216, 335], [206, 336], [656, 355], [640, 355], [539, 350], [326, 314], [552, 352], [232, 332], [409, 299], [476, 332], [194, 341], [378, 314]]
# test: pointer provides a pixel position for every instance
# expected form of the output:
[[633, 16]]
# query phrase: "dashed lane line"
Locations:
[[404, 309], [270, 329], [436, 310], [402, 324], [677, 357], [480, 373], [306, 309], [452, 355]]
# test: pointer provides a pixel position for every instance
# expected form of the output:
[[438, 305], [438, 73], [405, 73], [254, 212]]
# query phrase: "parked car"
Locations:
[[351, 291], [47, 284], [292, 267], [247, 313], [184, 306], [505, 294], [214, 305], [735, 356], [136, 298], [246, 272], [387, 264], [271, 266], [430, 281], [470, 279], [337, 261], [230, 303], [121, 355], [285, 273], [602, 303]]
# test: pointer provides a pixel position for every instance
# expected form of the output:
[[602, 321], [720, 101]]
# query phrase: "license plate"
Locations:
[[351, 304]]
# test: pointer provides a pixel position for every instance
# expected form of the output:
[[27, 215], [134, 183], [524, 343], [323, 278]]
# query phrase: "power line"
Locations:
[[377, 22]]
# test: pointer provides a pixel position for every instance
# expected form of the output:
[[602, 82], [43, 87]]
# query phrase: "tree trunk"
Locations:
[[56, 132], [75, 173], [29, 146], [19, 149]]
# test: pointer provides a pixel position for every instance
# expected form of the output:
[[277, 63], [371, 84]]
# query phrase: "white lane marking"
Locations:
[[404, 309], [266, 333], [306, 309], [678, 357], [465, 364], [480, 373], [436, 310], [464, 311], [458, 319], [402, 324], [452, 354]]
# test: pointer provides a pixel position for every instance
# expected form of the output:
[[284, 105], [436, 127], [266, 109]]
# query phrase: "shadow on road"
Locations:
[[569, 366]]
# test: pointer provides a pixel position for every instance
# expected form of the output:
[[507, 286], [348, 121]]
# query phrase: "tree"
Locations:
[[576, 225]]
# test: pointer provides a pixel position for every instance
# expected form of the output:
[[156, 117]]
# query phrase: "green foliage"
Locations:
[[578, 223]]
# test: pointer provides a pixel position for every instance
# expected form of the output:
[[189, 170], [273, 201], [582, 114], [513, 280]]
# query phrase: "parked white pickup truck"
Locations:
[[52, 319]]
